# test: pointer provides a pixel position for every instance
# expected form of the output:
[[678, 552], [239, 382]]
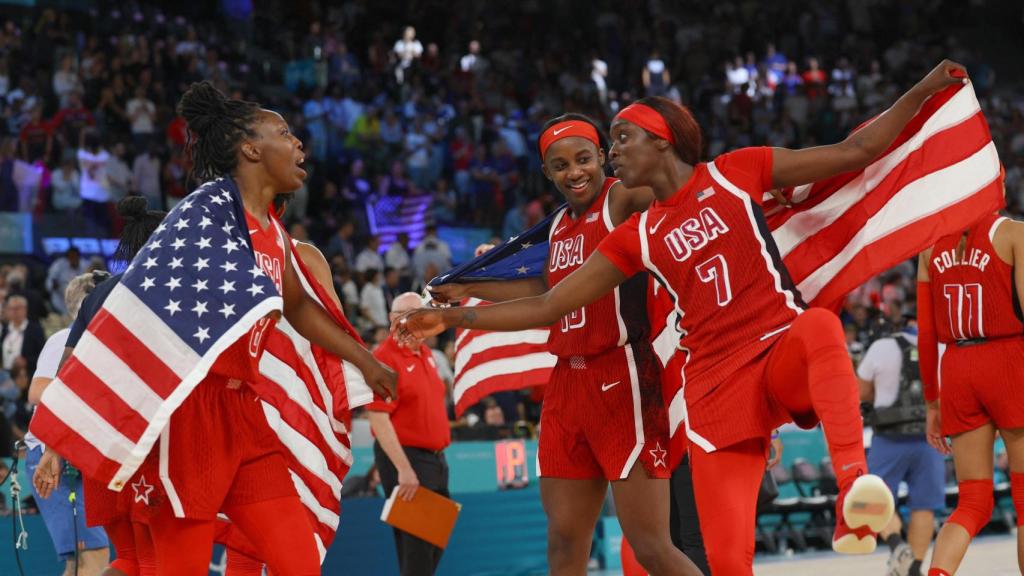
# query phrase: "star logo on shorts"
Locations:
[[658, 453], [142, 490]]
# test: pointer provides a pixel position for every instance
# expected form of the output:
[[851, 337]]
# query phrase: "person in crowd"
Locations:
[[411, 434], [21, 338], [62, 271]]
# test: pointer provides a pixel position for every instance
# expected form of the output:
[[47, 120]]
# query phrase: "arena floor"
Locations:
[[987, 556]]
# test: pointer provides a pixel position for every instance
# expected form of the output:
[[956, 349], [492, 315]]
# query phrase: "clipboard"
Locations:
[[428, 515]]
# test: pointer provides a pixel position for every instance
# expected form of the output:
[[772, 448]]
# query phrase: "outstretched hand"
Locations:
[[945, 74], [448, 293], [418, 324]]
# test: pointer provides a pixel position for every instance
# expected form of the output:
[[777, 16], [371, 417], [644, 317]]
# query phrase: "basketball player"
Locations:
[[754, 356], [969, 297], [603, 418], [218, 452]]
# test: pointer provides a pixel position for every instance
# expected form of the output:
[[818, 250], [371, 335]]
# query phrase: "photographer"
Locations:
[[891, 383]]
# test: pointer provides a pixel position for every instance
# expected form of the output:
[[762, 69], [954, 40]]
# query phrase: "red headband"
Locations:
[[647, 118], [567, 129]]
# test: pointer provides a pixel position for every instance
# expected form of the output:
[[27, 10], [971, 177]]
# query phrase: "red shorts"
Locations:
[[603, 413], [216, 452], [981, 384]]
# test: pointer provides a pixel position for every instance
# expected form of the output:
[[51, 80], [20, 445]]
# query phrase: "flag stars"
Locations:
[[175, 263], [522, 270], [256, 271], [155, 244], [178, 243], [217, 200], [203, 243], [254, 290], [160, 228], [181, 224], [173, 306], [525, 245], [228, 310], [201, 264], [173, 283], [147, 283], [203, 334], [200, 308], [230, 246], [149, 263], [229, 267], [200, 285], [227, 287], [204, 222], [227, 227]]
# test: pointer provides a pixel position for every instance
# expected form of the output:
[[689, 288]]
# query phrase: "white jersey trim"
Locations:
[[681, 413], [638, 418], [743, 197], [606, 213], [994, 227], [165, 475]]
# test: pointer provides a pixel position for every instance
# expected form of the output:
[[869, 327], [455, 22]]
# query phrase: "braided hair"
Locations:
[[217, 125], [139, 224]]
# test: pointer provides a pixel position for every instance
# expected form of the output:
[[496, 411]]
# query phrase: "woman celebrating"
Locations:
[[969, 297], [603, 418], [753, 355]]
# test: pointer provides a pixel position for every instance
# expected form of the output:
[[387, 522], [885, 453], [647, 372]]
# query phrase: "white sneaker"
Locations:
[[900, 561]]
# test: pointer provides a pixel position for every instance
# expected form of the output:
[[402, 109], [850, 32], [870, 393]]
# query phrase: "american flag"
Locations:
[[940, 175], [192, 291]]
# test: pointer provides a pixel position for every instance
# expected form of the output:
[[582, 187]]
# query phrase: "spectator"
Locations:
[[71, 120], [18, 285], [891, 382], [407, 50], [94, 185], [369, 257], [397, 255], [412, 432], [445, 202], [315, 112], [119, 176], [431, 251], [21, 337], [37, 137], [417, 153], [392, 286], [142, 114], [472, 62], [372, 303], [62, 271], [341, 243], [66, 80], [64, 187], [655, 75], [146, 175]]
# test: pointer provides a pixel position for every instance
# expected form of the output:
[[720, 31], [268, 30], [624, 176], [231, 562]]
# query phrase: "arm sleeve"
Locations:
[[927, 343], [750, 169], [868, 367], [379, 404], [49, 358], [622, 247]]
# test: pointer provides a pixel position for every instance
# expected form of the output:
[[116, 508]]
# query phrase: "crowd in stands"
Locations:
[[447, 110]]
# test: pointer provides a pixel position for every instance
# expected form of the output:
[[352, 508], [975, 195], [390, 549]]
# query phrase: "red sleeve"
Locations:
[[622, 246], [750, 169], [379, 404], [927, 343]]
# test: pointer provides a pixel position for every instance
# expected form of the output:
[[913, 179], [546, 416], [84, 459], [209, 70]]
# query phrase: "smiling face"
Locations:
[[576, 167], [279, 151], [633, 153]]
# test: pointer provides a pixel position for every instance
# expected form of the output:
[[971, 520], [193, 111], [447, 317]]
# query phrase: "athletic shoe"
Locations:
[[863, 508], [900, 560]]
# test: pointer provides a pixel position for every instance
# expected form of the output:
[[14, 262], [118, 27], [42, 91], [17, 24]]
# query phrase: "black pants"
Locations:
[[415, 556], [684, 525]]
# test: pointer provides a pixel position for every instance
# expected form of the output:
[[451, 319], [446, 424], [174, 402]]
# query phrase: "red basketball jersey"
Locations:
[[616, 318], [973, 290], [710, 247]]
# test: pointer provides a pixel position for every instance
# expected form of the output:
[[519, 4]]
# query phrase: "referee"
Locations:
[[411, 431]]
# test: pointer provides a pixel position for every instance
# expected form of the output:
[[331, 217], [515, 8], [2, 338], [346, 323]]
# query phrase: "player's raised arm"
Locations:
[[596, 277]]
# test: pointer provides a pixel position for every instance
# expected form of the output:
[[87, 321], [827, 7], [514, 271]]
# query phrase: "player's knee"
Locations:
[[1017, 492], [974, 509], [819, 323], [565, 540], [125, 566], [652, 554]]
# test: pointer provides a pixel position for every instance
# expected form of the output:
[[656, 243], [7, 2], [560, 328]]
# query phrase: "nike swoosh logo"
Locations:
[[410, 368], [851, 465], [559, 231], [607, 387], [560, 130], [654, 228]]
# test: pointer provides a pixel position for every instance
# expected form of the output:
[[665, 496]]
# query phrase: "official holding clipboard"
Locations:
[[411, 433]]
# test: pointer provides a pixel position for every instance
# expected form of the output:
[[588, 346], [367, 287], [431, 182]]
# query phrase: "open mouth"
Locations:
[[579, 187]]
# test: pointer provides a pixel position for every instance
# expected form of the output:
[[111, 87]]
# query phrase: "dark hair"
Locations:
[[281, 202], [216, 127], [139, 224], [683, 126], [601, 138]]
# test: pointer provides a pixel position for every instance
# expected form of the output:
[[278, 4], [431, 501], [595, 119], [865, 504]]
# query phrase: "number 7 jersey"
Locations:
[[710, 246], [973, 292]]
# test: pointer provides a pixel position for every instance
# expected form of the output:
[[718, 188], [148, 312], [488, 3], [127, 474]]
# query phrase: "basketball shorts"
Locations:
[[981, 384], [602, 414]]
